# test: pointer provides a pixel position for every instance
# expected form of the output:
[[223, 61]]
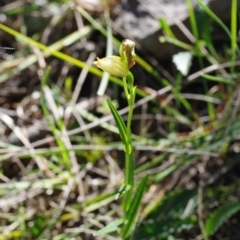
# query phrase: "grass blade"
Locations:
[[219, 216], [233, 31], [176, 42], [55, 127], [220, 79], [192, 19], [105, 78], [57, 54], [166, 28], [112, 227], [131, 215], [214, 16]]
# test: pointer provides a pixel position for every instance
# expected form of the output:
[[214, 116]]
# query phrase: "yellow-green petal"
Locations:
[[113, 65]]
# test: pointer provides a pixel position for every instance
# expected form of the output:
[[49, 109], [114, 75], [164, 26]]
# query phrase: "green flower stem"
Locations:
[[129, 120], [125, 88], [129, 180], [130, 92], [130, 98]]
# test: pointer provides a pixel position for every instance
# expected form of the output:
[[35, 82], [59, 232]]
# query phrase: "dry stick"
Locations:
[[53, 23], [77, 89], [114, 170], [10, 228], [41, 61], [178, 22], [190, 36], [80, 23], [9, 112], [68, 112], [199, 211], [211, 68], [13, 5], [65, 136], [84, 72], [200, 97], [17, 130], [19, 197], [59, 211], [20, 151], [8, 48], [106, 118]]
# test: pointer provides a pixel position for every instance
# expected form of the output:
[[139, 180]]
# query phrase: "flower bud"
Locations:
[[127, 51], [113, 65]]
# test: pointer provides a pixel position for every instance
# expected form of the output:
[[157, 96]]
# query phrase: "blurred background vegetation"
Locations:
[[61, 157]]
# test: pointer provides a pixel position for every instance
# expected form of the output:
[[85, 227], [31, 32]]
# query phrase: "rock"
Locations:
[[140, 21]]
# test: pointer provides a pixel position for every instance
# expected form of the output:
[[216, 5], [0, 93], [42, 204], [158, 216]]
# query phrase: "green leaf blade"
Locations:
[[131, 215], [219, 216], [121, 127]]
